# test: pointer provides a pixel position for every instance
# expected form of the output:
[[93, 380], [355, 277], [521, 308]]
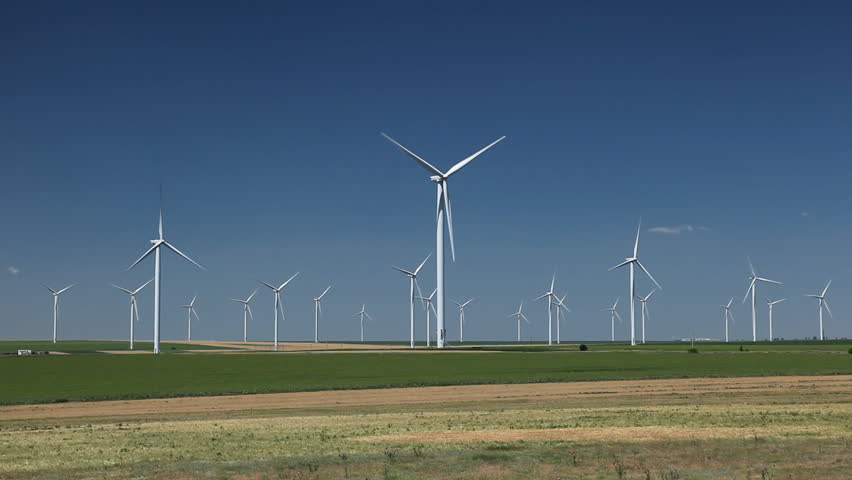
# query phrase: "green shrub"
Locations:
[[693, 350], [850, 349], [584, 347]]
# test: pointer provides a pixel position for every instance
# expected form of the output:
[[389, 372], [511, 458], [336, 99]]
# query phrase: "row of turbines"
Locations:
[[435, 302]]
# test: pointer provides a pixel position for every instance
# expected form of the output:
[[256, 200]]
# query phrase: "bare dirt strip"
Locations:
[[430, 395]]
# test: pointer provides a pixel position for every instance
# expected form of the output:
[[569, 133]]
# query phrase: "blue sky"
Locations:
[[262, 122]]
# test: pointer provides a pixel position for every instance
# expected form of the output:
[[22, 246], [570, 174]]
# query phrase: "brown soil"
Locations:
[[430, 395]]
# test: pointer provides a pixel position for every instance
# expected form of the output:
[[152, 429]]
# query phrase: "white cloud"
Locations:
[[678, 229], [804, 214], [13, 270]]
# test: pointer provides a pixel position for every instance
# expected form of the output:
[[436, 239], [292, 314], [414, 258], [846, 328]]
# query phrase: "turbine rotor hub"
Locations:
[[436, 178]]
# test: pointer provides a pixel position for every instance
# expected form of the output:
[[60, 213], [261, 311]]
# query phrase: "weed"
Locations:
[[619, 467]]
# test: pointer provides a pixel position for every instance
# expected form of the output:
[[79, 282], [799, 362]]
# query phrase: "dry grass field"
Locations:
[[766, 427]]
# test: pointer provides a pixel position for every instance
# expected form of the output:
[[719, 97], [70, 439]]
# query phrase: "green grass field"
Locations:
[[780, 346], [91, 346], [102, 377]]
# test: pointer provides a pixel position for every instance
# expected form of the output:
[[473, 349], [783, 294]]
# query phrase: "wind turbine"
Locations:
[[632, 261], [190, 311], [549, 295], [644, 301], [429, 306], [728, 314], [520, 316], [461, 318], [155, 249], [822, 302], [752, 287], [318, 312], [56, 294], [246, 313], [772, 304], [362, 314], [443, 206], [613, 313], [133, 310], [279, 306], [412, 277], [560, 305]]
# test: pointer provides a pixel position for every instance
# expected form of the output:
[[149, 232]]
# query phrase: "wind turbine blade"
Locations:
[[419, 292], [729, 302], [432, 306], [160, 227], [826, 288], [192, 310], [148, 252], [136, 311], [636, 244], [66, 288], [828, 309], [751, 267], [469, 159], [237, 300], [617, 315], [416, 271], [525, 319], [368, 316], [616, 302], [143, 286], [750, 287], [122, 289], [768, 280], [620, 265], [51, 290], [251, 296], [248, 308], [649, 295], [324, 292], [449, 220], [411, 274], [268, 285], [411, 154], [467, 302], [540, 297], [288, 281], [174, 249], [648, 273], [192, 302], [552, 283]]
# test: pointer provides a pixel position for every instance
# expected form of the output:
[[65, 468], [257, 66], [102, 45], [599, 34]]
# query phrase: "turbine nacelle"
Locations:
[[436, 178]]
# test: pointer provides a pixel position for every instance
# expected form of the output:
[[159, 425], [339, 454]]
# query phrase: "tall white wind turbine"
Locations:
[[279, 306], [429, 306], [155, 249], [549, 295], [443, 207], [190, 311], [823, 302], [318, 312], [771, 304], [363, 313], [56, 294], [728, 315], [632, 261], [412, 282], [613, 314], [752, 287], [246, 313], [461, 318], [644, 302], [134, 311], [560, 305], [519, 315]]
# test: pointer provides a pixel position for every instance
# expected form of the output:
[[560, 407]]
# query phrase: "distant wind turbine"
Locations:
[[823, 302], [134, 311], [363, 313], [644, 301], [56, 294], [246, 313], [429, 306], [771, 304], [613, 313], [519, 315], [318, 312], [549, 295], [728, 314], [279, 306], [752, 288], [155, 249], [443, 201], [560, 305], [632, 261], [412, 281], [461, 318], [190, 311]]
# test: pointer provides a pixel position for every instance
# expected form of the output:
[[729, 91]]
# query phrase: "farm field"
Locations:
[[109, 377], [95, 346], [778, 427]]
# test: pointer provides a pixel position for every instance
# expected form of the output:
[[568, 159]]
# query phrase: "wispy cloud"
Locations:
[[678, 229], [13, 270], [804, 214]]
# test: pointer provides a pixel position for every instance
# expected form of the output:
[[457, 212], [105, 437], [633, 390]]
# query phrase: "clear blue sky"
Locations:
[[263, 123]]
